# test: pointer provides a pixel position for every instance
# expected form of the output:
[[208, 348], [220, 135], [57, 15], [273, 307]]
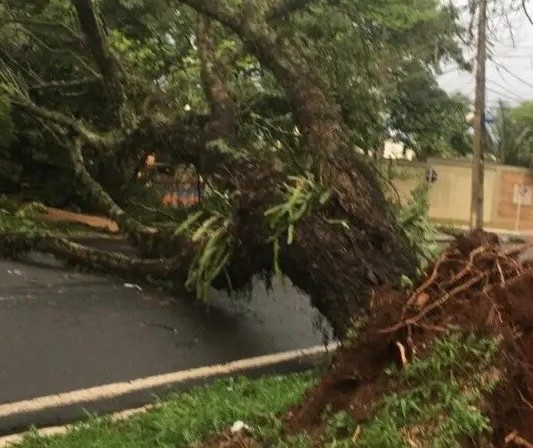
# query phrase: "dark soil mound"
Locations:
[[474, 286]]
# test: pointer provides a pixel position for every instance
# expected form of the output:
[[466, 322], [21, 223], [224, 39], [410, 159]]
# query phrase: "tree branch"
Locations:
[[93, 139], [100, 197], [74, 83], [524, 7], [40, 24], [94, 190], [218, 10], [105, 60], [128, 268], [220, 96], [281, 8]]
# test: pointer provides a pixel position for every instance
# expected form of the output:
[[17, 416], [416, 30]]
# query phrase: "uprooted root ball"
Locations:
[[477, 289], [449, 364]]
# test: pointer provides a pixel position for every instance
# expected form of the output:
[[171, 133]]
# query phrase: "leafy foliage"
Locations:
[[301, 196], [414, 220], [359, 48], [366, 50], [512, 134], [212, 228], [428, 119]]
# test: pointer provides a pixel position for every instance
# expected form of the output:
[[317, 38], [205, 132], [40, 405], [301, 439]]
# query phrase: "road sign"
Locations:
[[431, 176], [523, 195]]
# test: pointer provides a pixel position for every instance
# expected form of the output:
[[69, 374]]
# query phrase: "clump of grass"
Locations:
[[435, 403], [212, 228], [187, 418]]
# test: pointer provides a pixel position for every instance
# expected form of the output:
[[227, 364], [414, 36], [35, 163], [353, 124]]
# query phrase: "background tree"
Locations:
[[431, 122], [512, 134]]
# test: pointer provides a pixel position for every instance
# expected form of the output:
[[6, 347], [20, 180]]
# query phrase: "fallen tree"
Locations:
[[322, 219]]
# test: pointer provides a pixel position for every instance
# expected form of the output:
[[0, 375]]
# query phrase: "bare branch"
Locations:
[[105, 60], [74, 83], [528, 15]]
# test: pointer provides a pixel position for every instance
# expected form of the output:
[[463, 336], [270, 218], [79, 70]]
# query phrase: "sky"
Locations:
[[510, 67]]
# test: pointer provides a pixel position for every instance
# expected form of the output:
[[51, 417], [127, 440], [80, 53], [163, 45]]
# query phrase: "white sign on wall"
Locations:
[[523, 195]]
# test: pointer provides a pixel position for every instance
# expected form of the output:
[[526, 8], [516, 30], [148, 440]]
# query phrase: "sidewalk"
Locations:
[[504, 234]]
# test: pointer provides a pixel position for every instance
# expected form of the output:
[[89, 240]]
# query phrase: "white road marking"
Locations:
[[59, 430], [109, 391]]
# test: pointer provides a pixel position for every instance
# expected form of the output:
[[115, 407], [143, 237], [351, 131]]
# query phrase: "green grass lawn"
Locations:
[[187, 418]]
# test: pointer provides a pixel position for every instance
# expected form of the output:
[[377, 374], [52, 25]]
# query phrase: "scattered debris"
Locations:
[[239, 426], [132, 286]]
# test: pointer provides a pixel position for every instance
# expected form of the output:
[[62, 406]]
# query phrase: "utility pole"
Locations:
[[476, 213], [503, 131]]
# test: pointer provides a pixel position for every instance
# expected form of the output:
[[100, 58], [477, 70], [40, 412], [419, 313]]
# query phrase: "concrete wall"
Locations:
[[450, 194]]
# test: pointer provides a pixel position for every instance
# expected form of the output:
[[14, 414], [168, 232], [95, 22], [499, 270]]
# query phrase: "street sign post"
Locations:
[[522, 195]]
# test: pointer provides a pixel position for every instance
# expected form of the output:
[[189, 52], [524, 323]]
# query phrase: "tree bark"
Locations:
[[219, 95], [135, 269], [105, 60]]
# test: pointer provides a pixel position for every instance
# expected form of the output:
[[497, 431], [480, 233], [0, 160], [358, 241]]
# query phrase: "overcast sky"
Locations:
[[510, 73]]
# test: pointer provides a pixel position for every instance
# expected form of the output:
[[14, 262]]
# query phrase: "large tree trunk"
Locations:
[[338, 267]]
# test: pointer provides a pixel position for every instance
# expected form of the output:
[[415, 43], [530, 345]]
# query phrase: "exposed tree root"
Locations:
[[475, 287]]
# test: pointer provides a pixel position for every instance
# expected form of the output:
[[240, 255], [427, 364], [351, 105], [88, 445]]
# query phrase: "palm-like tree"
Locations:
[[511, 136]]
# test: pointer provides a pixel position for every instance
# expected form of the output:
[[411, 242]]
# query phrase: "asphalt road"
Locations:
[[62, 331]]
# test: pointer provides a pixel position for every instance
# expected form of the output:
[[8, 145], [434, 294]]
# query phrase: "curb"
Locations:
[[117, 390]]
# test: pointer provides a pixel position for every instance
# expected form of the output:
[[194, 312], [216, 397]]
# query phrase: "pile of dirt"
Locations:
[[475, 286]]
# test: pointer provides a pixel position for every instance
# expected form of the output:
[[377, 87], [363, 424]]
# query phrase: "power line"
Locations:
[[514, 75], [506, 96], [516, 56], [509, 92]]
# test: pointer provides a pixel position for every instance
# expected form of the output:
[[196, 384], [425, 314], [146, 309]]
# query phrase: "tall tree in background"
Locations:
[[512, 134], [432, 122]]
